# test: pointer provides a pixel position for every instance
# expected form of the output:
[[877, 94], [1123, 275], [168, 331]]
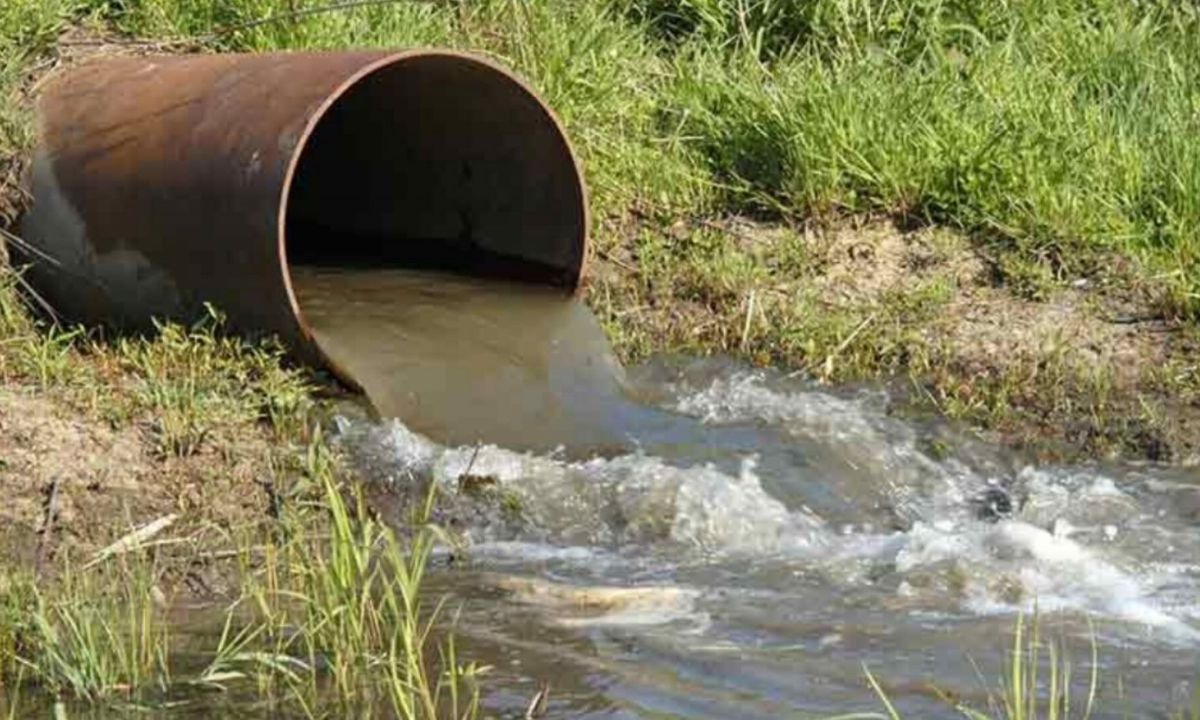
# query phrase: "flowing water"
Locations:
[[698, 539]]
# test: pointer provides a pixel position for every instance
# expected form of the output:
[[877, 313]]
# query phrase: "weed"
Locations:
[[189, 380], [1023, 693], [18, 595], [95, 635], [353, 603], [196, 379], [347, 605]]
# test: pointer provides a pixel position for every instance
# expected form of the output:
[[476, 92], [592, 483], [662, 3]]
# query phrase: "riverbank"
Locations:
[[977, 202]]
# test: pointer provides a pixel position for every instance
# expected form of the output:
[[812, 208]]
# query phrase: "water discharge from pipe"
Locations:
[[164, 183], [468, 360]]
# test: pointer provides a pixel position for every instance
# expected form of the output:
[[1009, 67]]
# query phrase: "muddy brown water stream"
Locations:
[[697, 539]]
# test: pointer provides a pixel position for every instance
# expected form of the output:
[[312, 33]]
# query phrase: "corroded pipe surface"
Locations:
[[163, 183]]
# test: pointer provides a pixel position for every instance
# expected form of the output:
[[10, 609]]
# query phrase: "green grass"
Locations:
[[196, 380], [28, 29], [90, 635], [328, 617], [99, 635], [1024, 123], [1059, 132], [1039, 682], [354, 604], [191, 385]]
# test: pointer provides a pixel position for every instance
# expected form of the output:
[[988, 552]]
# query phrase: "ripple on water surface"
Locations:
[[698, 539]]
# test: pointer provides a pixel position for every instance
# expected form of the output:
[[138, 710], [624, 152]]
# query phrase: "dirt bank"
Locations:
[[74, 483], [1068, 368]]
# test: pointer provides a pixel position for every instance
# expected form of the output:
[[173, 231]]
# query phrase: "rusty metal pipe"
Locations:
[[164, 183]]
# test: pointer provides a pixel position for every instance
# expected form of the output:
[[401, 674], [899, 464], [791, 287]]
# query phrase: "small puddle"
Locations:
[[698, 539]]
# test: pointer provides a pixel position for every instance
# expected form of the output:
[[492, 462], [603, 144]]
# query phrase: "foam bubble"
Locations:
[[1078, 540]]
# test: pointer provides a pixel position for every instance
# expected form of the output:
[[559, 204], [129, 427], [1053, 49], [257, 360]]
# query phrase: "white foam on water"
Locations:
[[881, 453], [1081, 541], [1013, 565], [1054, 570], [628, 499]]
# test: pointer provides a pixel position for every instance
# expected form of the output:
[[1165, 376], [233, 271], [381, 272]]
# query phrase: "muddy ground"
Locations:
[[75, 483]]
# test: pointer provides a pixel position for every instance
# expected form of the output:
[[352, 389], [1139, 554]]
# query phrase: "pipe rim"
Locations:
[[318, 115]]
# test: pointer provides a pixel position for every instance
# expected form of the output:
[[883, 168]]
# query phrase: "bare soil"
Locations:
[[73, 484], [984, 323]]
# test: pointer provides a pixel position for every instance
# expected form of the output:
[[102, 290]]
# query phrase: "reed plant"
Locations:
[[347, 606], [329, 617], [1038, 683]]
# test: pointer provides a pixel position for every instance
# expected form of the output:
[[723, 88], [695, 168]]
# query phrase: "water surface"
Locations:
[[698, 539]]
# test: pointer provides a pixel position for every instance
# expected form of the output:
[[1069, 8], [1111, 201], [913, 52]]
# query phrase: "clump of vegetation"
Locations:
[[1039, 682], [327, 611], [190, 382], [196, 380], [100, 634], [28, 30]]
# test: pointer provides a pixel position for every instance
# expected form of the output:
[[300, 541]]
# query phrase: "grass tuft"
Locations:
[[194, 380], [100, 635], [329, 614], [1023, 693]]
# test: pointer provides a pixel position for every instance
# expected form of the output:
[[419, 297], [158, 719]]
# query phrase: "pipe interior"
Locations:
[[439, 162]]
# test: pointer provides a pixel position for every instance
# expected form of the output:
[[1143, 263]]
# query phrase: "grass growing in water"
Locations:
[[1038, 683], [329, 616], [99, 635], [353, 605]]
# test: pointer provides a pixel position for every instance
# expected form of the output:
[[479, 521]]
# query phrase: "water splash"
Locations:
[[738, 526], [1071, 544]]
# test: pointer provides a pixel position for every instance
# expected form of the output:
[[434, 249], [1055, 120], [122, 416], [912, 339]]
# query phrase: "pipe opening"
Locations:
[[438, 161]]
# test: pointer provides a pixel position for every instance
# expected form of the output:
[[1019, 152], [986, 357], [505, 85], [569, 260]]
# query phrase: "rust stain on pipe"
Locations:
[[163, 183]]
